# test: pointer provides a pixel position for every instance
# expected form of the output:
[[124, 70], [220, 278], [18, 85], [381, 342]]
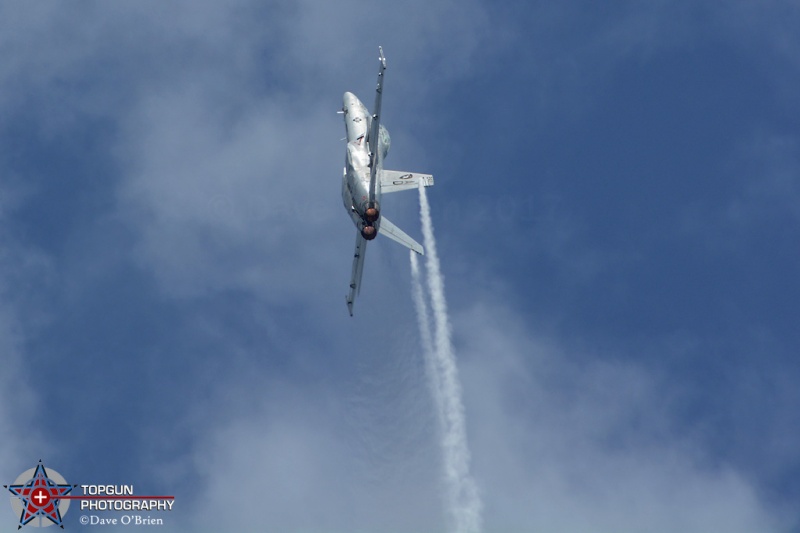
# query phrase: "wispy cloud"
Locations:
[[21, 317], [564, 443]]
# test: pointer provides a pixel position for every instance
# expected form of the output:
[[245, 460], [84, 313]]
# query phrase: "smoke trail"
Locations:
[[431, 371], [463, 500]]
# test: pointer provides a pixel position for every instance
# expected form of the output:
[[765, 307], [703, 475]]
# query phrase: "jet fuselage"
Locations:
[[356, 176]]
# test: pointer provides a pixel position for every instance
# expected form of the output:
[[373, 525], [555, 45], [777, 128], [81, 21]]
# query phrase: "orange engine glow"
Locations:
[[369, 232]]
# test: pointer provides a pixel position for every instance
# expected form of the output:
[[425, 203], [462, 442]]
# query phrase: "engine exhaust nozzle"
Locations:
[[369, 232]]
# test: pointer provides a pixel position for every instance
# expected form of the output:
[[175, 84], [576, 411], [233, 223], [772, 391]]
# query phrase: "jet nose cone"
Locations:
[[350, 99]]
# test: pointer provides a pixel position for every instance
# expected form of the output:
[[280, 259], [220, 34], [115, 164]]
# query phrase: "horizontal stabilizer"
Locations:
[[396, 234], [395, 180]]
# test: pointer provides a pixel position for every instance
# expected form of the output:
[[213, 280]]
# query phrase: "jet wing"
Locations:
[[394, 180], [358, 269], [375, 128]]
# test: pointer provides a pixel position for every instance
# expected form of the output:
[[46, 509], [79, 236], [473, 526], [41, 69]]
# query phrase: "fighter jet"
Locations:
[[364, 179]]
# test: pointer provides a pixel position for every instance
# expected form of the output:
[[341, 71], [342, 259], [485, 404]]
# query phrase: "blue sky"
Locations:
[[617, 206]]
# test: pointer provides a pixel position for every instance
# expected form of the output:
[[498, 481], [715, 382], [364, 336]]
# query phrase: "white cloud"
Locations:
[[562, 444], [310, 459], [243, 205], [21, 271]]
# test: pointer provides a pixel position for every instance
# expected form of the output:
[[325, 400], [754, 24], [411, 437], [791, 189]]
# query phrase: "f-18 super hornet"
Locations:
[[365, 179]]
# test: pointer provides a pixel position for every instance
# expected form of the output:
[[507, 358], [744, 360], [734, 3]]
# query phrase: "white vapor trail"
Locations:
[[463, 501], [431, 371]]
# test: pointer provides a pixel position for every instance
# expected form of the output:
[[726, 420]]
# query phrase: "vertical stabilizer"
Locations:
[[375, 129]]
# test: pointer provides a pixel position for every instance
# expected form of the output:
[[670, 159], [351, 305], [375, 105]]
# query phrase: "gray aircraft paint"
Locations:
[[363, 178]]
